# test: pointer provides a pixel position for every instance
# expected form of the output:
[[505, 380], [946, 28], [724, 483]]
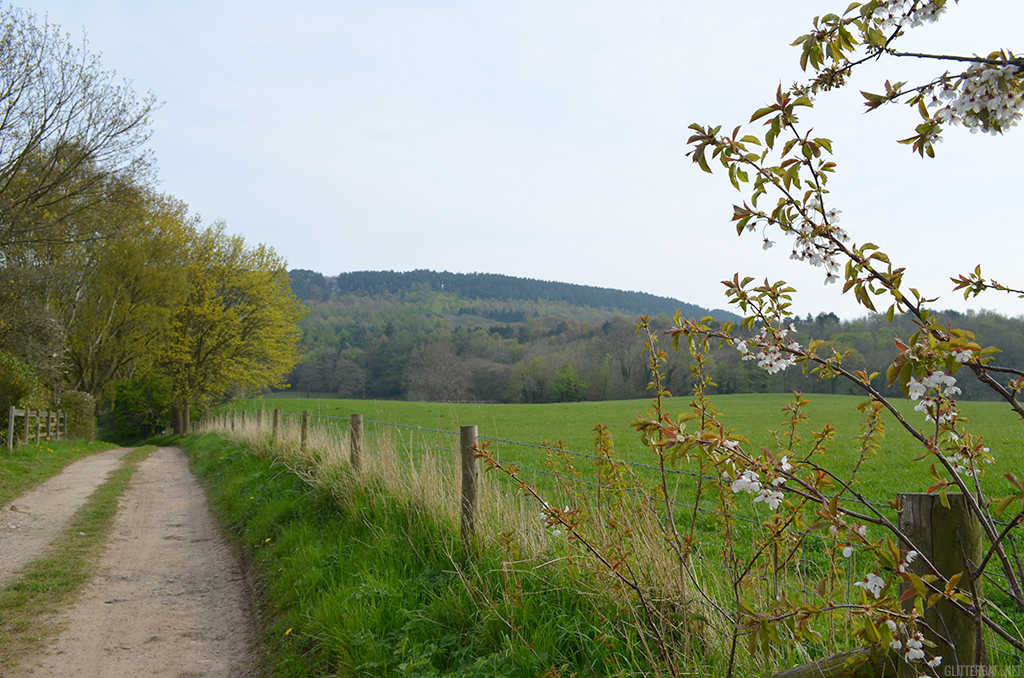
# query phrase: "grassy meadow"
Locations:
[[755, 416], [537, 602]]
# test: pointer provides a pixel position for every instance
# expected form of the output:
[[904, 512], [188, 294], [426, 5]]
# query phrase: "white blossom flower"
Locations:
[[935, 661], [767, 244], [896, 644], [748, 482], [907, 560], [771, 497], [556, 532], [915, 389], [964, 355], [872, 583], [847, 551], [914, 645], [861, 530]]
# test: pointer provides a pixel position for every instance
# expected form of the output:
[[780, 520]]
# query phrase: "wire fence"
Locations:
[[418, 442]]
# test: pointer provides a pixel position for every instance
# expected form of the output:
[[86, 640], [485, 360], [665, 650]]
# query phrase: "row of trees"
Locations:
[[429, 345], [107, 285]]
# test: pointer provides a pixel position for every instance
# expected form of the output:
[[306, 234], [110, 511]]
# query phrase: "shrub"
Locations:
[[19, 387], [80, 408]]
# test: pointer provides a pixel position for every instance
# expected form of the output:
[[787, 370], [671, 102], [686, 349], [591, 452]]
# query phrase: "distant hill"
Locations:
[[495, 338], [314, 286]]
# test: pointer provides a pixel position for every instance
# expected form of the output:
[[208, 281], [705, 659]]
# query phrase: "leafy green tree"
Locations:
[[568, 386], [117, 302], [236, 328], [142, 406]]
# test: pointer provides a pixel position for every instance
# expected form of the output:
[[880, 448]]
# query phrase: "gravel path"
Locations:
[[170, 598], [30, 522]]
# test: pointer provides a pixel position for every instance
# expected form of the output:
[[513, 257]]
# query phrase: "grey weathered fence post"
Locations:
[[243, 418], [304, 435], [951, 539], [232, 422], [10, 428], [39, 426], [355, 453], [276, 431], [469, 480], [259, 419], [26, 425]]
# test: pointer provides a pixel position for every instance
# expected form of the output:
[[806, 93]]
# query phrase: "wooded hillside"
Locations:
[[456, 337]]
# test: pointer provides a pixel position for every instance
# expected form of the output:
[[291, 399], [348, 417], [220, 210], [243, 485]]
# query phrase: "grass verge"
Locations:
[[27, 466], [30, 601], [361, 580]]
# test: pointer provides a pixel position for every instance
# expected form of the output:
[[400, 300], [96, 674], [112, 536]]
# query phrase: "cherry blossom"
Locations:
[[907, 560], [771, 497], [872, 583], [748, 481]]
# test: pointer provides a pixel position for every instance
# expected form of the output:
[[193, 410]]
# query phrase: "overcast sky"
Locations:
[[543, 138]]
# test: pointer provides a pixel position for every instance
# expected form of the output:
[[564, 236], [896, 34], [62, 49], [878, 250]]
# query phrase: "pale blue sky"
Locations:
[[542, 139]]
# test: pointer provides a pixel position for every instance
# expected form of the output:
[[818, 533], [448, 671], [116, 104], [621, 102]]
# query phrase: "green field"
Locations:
[[754, 416]]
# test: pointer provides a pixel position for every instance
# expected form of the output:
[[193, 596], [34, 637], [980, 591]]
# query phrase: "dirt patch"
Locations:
[[30, 522], [170, 598]]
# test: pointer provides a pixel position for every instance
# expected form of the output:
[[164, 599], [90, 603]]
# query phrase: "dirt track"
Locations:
[[170, 598]]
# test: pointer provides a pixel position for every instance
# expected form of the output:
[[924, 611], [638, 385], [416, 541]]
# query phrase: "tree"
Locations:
[[236, 328], [785, 164], [71, 137], [118, 296], [436, 374], [567, 384]]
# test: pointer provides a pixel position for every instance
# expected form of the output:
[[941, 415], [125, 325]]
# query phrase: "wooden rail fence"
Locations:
[[48, 425]]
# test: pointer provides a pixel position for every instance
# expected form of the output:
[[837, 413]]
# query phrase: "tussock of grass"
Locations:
[[29, 602]]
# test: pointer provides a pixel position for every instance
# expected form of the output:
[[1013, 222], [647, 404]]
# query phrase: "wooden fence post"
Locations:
[[243, 418], [276, 431], [49, 424], [951, 539], [39, 426], [232, 422], [355, 453], [304, 434], [26, 425], [259, 419], [467, 445], [10, 428]]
